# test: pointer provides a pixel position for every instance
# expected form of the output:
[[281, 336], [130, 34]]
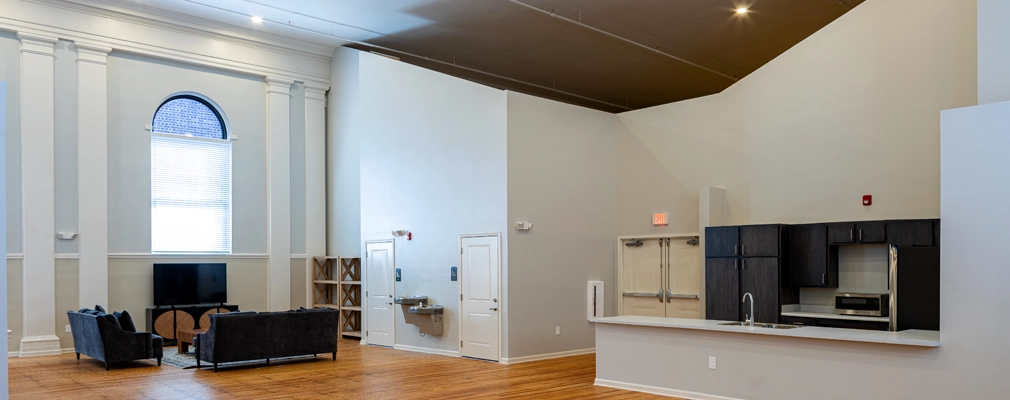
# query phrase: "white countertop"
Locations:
[[906, 338], [836, 316]]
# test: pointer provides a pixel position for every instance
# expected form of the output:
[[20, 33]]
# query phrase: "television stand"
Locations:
[[167, 321]]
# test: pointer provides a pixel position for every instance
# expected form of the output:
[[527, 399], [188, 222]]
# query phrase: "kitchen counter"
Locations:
[[905, 338]]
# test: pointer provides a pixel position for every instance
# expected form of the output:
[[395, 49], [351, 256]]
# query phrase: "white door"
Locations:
[[379, 265], [643, 278], [683, 280], [661, 278], [480, 302]]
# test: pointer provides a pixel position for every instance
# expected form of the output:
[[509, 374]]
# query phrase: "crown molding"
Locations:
[[188, 24], [315, 92], [92, 53], [155, 51]]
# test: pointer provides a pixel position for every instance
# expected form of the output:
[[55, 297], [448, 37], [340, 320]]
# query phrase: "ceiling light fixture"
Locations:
[[257, 19], [741, 10]]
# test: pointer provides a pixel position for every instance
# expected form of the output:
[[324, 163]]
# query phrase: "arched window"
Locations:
[[190, 177]]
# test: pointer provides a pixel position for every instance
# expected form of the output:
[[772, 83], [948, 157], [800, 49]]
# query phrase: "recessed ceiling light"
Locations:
[[741, 10], [257, 19]]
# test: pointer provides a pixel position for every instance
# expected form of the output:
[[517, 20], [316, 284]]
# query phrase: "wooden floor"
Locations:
[[360, 372]]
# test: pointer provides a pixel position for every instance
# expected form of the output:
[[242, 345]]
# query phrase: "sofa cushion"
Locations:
[[98, 307], [125, 321], [111, 318]]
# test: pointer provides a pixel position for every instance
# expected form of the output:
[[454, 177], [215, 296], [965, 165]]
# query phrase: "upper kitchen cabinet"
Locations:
[[760, 240], [857, 232], [812, 262], [744, 241], [917, 232], [722, 241]]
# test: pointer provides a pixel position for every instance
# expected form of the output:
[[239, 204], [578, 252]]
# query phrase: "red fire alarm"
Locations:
[[867, 200]]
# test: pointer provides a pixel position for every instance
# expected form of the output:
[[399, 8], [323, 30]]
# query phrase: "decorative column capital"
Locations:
[[315, 92], [92, 52], [279, 85], [39, 44]]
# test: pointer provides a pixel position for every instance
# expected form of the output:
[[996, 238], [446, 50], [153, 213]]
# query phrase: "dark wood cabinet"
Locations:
[[760, 278], [917, 232], [722, 289], [871, 232], [760, 240], [836, 323], [812, 262], [722, 241], [857, 232], [841, 233]]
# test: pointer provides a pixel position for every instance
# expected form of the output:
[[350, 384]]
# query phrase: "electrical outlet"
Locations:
[[557, 330], [711, 363], [68, 328]]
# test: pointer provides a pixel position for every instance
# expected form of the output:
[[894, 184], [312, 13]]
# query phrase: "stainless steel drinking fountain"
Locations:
[[427, 318]]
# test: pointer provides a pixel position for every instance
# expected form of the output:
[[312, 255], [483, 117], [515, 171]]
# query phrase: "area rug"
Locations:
[[172, 357]]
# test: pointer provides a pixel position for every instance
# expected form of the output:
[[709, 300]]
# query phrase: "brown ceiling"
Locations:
[[509, 40]]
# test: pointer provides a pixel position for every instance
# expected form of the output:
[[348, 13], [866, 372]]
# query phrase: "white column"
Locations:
[[279, 192], [38, 191], [92, 173], [315, 179]]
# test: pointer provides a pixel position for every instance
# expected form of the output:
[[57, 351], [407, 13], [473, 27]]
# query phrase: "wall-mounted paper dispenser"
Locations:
[[595, 300]]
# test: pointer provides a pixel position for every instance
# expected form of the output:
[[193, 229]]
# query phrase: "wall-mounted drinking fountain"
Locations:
[[427, 318]]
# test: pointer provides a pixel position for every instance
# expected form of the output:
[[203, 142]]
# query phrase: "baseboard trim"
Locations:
[[684, 394], [67, 350], [450, 353], [548, 356], [35, 346]]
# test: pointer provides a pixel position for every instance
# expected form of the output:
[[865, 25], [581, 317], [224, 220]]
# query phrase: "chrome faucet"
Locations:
[[750, 318]]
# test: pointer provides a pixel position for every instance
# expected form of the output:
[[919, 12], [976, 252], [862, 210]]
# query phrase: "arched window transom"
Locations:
[[190, 116]]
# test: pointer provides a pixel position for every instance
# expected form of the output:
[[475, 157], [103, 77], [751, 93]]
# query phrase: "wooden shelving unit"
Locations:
[[336, 283]]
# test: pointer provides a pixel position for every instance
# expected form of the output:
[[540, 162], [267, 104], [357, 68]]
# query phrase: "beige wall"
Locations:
[[298, 284], [67, 289], [561, 177], [131, 284], [851, 110]]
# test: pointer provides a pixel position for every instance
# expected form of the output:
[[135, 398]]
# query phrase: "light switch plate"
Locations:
[[711, 363]]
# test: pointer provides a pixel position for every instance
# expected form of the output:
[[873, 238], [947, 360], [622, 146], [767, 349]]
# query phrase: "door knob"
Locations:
[[493, 309], [495, 299], [390, 303]]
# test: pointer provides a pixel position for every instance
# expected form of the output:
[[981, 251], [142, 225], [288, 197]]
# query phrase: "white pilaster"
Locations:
[[38, 191], [92, 173], [279, 192], [315, 179]]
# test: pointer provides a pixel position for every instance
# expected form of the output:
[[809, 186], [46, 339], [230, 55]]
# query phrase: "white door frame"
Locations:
[[459, 284], [364, 287], [620, 260]]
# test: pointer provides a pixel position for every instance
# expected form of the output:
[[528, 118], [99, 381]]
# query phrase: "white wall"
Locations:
[[993, 51], [433, 161], [562, 178], [343, 171], [851, 110]]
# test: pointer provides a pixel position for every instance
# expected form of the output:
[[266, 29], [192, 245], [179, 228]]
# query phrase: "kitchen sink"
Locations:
[[762, 325]]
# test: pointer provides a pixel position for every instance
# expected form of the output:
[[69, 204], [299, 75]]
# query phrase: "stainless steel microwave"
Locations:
[[865, 304]]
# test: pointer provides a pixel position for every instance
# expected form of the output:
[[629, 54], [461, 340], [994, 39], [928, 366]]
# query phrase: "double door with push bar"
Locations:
[[660, 277]]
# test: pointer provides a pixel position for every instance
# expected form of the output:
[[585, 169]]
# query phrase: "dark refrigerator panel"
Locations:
[[916, 288]]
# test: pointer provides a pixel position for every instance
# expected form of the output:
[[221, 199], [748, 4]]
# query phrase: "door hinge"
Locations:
[[366, 293], [460, 250], [460, 343], [461, 296]]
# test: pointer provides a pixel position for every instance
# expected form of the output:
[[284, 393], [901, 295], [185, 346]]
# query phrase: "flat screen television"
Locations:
[[184, 284]]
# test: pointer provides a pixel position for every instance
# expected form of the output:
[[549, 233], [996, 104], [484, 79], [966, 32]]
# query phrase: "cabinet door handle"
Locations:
[[743, 250], [851, 239], [822, 279], [743, 264], [860, 235], [736, 249], [736, 263]]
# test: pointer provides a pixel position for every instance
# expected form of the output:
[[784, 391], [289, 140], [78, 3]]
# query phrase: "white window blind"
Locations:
[[190, 194]]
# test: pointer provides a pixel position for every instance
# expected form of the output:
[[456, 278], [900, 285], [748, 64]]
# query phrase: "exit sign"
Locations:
[[659, 219]]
